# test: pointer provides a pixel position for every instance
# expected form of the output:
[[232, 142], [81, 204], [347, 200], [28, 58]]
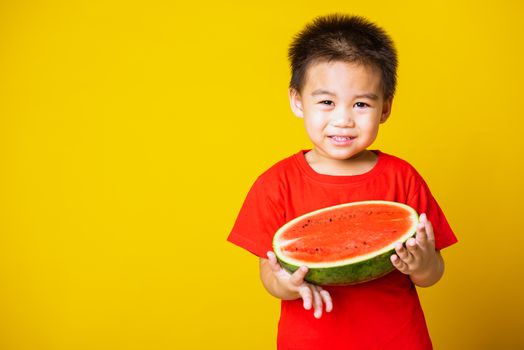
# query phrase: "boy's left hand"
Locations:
[[419, 257]]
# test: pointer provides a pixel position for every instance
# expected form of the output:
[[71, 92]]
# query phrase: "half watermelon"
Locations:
[[345, 244]]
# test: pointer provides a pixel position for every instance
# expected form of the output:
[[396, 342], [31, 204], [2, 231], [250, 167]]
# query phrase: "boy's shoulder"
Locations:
[[400, 167], [282, 168], [395, 161]]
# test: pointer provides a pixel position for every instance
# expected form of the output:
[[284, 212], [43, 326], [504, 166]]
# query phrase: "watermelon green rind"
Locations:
[[360, 272], [349, 271]]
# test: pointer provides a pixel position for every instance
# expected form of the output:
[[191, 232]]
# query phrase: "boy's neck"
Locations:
[[357, 165]]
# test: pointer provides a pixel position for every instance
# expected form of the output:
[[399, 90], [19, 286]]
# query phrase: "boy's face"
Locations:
[[342, 105]]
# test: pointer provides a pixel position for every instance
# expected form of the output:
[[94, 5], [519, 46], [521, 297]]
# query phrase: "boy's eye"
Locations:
[[361, 104], [326, 102]]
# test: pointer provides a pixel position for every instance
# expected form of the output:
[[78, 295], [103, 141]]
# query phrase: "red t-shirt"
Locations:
[[380, 314]]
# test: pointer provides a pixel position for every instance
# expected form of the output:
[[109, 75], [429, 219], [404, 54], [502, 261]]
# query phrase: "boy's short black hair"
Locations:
[[339, 37]]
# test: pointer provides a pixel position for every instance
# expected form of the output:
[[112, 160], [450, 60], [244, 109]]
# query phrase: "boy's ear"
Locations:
[[386, 109], [295, 101]]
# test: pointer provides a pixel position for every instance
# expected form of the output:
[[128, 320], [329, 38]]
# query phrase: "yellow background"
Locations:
[[130, 132]]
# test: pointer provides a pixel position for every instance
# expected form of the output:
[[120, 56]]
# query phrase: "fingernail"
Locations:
[[307, 305]]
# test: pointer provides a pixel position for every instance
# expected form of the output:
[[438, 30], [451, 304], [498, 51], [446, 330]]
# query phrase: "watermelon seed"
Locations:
[[330, 219]]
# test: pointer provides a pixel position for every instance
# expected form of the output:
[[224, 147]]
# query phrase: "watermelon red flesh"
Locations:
[[342, 233]]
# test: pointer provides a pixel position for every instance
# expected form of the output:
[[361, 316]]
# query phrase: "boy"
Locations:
[[342, 85]]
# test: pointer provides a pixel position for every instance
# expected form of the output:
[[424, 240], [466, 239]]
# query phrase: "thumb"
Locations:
[[273, 262], [297, 278]]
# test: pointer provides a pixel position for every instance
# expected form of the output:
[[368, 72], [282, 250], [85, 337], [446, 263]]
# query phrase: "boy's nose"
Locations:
[[343, 119]]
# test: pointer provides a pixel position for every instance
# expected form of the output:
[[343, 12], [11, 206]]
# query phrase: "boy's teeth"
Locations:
[[341, 138]]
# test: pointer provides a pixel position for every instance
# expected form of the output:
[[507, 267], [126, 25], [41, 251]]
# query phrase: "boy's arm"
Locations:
[[283, 285], [419, 259]]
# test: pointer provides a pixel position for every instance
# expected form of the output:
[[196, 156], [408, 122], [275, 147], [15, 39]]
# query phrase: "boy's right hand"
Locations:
[[292, 286]]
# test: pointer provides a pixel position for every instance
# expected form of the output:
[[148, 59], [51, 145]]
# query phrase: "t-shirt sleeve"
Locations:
[[260, 217], [424, 202]]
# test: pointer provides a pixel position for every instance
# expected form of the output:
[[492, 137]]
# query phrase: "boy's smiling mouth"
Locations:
[[338, 138]]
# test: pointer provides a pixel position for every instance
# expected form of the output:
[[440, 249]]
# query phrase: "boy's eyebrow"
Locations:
[[370, 96], [322, 92]]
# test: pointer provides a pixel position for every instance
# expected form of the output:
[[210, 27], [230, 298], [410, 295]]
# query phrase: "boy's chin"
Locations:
[[343, 155]]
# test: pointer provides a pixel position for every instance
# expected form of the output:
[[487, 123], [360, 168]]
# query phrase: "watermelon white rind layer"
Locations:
[[353, 270]]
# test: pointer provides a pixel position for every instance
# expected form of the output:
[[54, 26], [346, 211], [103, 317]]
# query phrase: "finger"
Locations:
[[273, 262], [395, 260], [413, 248], [317, 302], [398, 263], [297, 278], [423, 218], [402, 252], [326, 298], [430, 234], [421, 230], [307, 297]]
